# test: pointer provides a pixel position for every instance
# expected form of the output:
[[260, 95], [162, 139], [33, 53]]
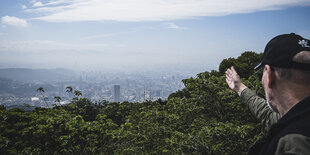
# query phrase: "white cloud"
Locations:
[[33, 1], [24, 7], [14, 21], [37, 4], [139, 29], [152, 10], [42, 46], [174, 26]]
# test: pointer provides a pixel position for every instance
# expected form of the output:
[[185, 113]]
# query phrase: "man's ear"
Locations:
[[270, 76]]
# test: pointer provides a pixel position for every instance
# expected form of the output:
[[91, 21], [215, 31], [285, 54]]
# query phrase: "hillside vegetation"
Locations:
[[206, 117]]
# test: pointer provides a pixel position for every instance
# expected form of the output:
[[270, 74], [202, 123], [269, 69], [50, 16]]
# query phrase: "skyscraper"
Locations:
[[117, 93]]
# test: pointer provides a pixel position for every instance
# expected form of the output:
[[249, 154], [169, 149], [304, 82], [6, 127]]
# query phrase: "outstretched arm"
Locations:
[[256, 104], [233, 81]]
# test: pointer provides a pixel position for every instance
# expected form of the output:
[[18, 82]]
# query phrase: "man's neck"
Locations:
[[289, 97]]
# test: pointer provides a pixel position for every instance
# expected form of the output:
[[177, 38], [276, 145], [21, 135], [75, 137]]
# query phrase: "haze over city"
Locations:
[[141, 34]]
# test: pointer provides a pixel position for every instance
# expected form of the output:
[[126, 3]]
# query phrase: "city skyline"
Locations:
[[18, 86]]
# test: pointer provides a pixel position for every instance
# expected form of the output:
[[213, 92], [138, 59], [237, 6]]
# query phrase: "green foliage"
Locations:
[[244, 64], [205, 117]]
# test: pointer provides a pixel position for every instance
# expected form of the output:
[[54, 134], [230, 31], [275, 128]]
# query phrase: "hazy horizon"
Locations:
[[131, 70]]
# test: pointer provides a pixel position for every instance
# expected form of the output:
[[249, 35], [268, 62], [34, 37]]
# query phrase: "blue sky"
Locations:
[[141, 34]]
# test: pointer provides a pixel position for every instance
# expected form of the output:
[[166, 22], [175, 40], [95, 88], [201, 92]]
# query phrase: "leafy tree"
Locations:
[[57, 99], [244, 64], [69, 90], [77, 93], [41, 90]]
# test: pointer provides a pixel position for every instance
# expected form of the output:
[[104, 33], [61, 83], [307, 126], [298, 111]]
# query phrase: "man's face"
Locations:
[[263, 79], [268, 91]]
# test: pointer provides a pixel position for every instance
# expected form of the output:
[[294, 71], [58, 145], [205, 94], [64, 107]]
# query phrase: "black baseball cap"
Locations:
[[280, 51]]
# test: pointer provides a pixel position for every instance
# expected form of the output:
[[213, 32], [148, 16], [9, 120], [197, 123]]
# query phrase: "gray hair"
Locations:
[[296, 75]]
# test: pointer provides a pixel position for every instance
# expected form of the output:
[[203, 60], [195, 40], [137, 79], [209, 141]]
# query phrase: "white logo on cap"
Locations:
[[303, 43]]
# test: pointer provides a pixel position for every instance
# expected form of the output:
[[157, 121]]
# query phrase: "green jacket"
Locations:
[[293, 144]]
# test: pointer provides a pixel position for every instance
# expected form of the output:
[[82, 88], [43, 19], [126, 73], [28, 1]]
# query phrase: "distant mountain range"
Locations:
[[38, 75], [9, 86]]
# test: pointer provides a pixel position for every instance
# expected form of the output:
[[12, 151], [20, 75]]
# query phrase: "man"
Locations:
[[285, 113]]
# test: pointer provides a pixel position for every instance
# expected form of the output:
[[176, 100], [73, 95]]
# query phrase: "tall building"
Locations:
[[117, 93]]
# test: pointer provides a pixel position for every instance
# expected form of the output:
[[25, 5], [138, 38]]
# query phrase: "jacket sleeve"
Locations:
[[293, 144], [259, 108]]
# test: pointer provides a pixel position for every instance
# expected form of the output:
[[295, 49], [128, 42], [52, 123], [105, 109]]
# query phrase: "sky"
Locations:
[[141, 34]]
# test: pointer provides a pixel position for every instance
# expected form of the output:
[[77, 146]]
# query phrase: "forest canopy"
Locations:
[[205, 117]]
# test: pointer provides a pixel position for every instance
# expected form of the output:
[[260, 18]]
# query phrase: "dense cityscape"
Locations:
[[96, 86]]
